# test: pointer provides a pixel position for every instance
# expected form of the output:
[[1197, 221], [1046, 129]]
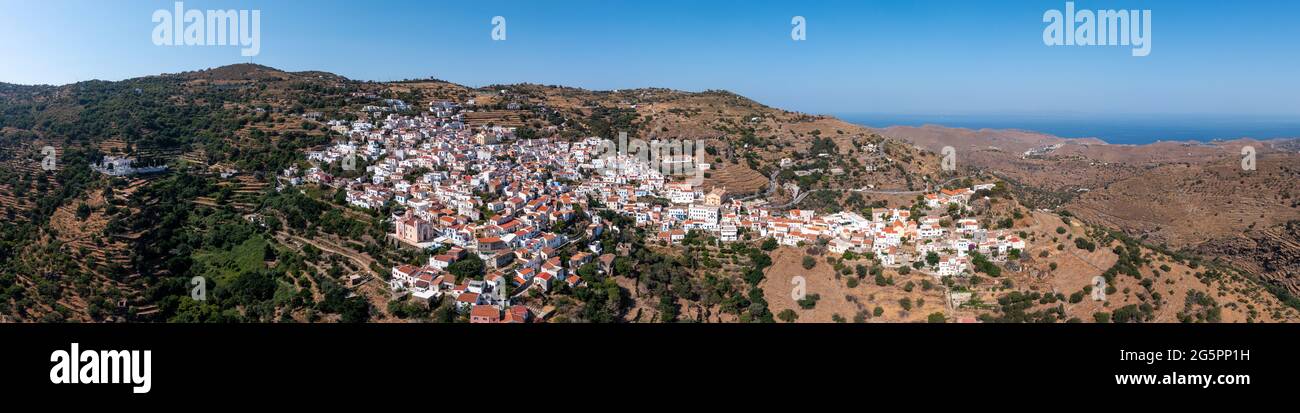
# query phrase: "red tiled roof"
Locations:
[[469, 298], [485, 311]]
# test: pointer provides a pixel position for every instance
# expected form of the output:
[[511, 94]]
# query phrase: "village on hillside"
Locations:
[[477, 192]]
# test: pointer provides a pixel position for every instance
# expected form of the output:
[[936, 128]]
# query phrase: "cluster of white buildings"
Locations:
[[479, 191], [453, 186], [893, 236], [123, 166]]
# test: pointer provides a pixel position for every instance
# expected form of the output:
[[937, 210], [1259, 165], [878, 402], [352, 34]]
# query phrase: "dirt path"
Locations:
[[362, 260]]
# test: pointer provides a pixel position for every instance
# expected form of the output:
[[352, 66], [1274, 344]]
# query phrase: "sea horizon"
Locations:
[[1113, 129]]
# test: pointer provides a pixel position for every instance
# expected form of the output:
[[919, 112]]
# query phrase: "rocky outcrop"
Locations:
[[1272, 254]]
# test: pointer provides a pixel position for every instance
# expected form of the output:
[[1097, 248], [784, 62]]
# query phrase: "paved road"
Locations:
[[772, 187], [928, 188]]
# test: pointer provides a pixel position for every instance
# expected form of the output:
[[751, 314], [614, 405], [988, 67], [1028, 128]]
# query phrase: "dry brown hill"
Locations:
[[1186, 195]]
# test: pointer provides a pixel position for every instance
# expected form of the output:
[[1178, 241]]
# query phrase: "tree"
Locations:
[[191, 311], [355, 310], [881, 280], [1101, 317], [769, 244], [906, 303], [985, 266], [83, 211], [877, 312], [809, 301], [788, 316], [1084, 244], [623, 266], [936, 318], [667, 308], [587, 271], [1076, 297], [809, 262], [469, 267], [932, 258]]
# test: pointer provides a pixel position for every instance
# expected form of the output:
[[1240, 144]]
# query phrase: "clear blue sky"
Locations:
[[904, 56]]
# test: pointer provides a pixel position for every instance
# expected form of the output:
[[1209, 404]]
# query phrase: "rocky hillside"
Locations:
[[89, 248], [86, 247], [1193, 197]]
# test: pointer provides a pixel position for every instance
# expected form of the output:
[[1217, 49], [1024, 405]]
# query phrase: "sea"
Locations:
[[1126, 129]]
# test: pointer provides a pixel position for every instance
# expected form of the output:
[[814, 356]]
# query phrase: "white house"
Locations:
[[708, 214]]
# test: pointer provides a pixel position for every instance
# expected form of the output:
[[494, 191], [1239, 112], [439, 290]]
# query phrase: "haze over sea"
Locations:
[[1115, 129]]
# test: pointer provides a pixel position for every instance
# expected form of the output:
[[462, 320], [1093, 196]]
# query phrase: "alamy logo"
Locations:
[[1247, 158], [680, 158], [800, 289], [949, 161], [498, 28], [1099, 288], [51, 160], [209, 28], [1099, 28], [103, 366], [200, 290]]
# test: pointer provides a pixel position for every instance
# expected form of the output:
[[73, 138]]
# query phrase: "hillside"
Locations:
[[92, 248], [1192, 196], [87, 247]]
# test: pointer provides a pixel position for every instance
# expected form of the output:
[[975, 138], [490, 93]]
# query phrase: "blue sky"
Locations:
[[904, 56]]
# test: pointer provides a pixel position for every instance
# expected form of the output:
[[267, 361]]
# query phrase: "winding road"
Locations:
[[772, 187], [928, 188]]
